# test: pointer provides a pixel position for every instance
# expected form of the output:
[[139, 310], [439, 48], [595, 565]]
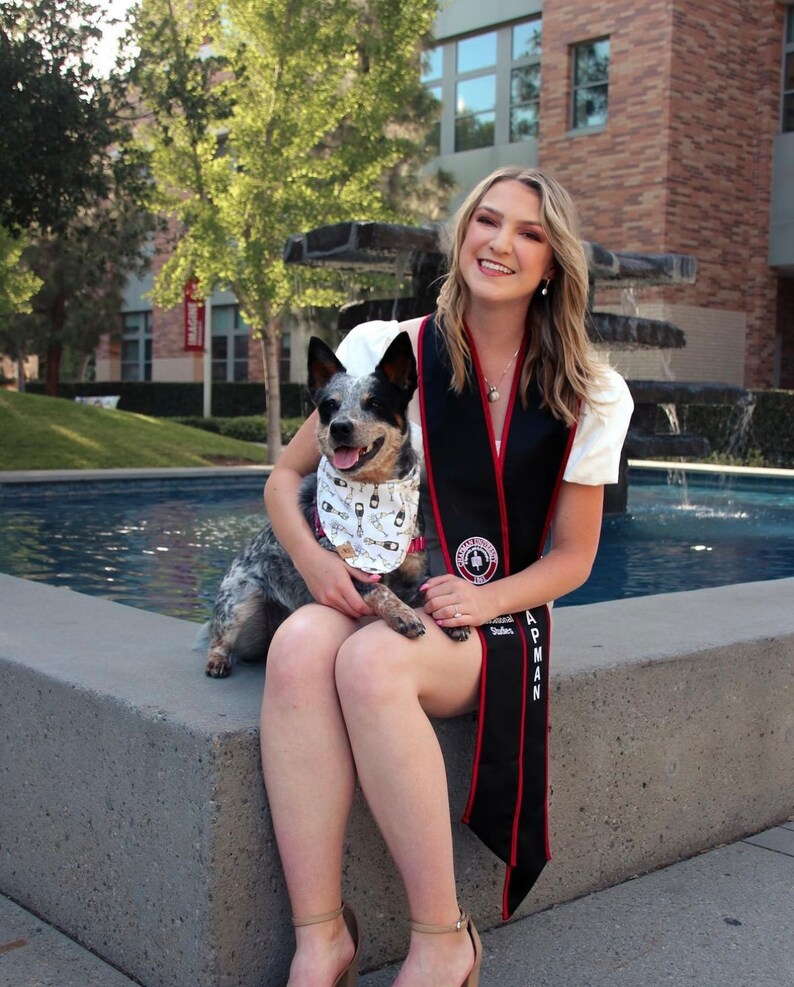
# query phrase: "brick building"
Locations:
[[671, 121]]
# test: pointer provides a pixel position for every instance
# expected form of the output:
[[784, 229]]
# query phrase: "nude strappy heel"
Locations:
[[349, 976], [464, 923]]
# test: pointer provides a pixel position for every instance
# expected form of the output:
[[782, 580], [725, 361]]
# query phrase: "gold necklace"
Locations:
[[493, 392]]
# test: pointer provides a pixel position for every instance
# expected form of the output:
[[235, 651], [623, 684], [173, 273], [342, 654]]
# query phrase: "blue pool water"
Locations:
[[165, 548]]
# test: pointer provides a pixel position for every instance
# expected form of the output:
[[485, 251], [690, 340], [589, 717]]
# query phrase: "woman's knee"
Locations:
[[302, 653], [372, 668]]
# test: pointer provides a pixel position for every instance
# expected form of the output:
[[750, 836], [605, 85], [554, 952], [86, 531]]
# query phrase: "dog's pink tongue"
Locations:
[[345, 457]]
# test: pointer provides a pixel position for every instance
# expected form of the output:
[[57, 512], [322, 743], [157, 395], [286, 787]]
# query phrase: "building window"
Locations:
[[136, 346], [475, 91], [432, 74], [525, 80], [788, 74], [493, 80], [229, 344], [590, 84]]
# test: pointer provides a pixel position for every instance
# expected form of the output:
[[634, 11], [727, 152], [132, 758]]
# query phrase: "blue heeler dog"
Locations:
[[362, 503]]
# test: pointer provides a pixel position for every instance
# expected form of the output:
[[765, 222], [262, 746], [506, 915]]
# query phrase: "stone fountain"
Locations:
[[415, 254]]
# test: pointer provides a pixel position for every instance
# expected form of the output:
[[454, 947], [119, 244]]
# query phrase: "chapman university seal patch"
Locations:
[[477, 560]]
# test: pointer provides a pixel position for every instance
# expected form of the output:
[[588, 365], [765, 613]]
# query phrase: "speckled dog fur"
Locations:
[[367, 414]]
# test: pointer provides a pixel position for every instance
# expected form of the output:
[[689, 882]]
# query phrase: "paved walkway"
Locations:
[[722, 919]]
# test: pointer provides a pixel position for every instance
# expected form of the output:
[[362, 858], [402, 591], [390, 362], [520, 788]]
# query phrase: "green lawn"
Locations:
[[38, 432]]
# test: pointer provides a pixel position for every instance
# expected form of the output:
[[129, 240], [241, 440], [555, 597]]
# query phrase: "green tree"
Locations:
[[268, 117], [81, 275], [17, 284], [70, 177]]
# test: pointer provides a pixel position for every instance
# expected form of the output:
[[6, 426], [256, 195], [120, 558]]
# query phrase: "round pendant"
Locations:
[[493, 394]]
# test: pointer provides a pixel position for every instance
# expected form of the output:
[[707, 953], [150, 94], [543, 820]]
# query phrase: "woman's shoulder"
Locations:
[[609, 395]]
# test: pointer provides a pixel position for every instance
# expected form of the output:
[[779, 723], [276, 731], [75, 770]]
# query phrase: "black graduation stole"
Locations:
[[493, 512]]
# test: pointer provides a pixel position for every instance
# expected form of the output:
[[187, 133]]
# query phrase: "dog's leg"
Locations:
[[219, 662], [398, 615]]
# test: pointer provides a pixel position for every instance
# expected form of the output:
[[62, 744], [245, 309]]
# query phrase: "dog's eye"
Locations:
[[376, 405], [328, 406]]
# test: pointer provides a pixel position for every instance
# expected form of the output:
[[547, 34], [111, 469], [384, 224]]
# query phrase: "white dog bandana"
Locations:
[[371, 525]]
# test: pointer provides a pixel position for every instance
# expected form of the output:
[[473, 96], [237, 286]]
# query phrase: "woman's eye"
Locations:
[[485, 220]]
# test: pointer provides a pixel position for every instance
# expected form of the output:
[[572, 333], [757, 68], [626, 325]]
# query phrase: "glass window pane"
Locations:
[[474, 131], [475, 53], [475, 95], [526, 39], [788, 113], [240, 370], [788, 74], [130, 371], [590, 107], [220, 347], [524, 122], [130, 322], [129, 351], [432, 63], [790, 27], [241, 348], [147, 323], [222, 319], [525, 84], [218, 370], [592, 63]]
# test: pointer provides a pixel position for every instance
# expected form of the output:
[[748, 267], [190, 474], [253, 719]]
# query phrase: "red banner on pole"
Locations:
[[194, 318]]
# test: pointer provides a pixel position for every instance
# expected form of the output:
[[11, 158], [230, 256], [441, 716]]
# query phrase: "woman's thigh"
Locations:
[[444, 674]]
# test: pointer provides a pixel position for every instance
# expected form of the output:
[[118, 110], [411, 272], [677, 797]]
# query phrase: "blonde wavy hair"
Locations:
[[559, 349]]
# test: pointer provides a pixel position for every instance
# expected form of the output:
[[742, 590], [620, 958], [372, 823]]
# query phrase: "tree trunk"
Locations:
[[53, 370], [55, 348], [21, 375], [271, 334]]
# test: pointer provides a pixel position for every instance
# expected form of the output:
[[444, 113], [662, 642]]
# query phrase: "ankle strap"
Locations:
[[316, 919], [462, 923]]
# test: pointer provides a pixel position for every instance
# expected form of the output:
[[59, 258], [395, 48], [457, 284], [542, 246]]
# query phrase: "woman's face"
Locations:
[[505, 253]]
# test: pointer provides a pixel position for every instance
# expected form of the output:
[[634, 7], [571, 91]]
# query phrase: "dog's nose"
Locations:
[[342, 431]]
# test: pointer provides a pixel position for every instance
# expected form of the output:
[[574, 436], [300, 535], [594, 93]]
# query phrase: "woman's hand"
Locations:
[[455, 602], [332, 582]]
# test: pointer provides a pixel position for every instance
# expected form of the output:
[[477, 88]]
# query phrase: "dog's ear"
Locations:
[[322, 366], [399, 364]]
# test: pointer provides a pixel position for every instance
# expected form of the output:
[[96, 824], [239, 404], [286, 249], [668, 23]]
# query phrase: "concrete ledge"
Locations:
[[132, 813]]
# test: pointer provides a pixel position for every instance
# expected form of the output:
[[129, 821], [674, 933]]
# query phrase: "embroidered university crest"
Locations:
[[476, 560]]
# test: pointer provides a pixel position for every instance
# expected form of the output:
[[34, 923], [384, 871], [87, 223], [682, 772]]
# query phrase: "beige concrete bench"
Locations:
[[132, 813]]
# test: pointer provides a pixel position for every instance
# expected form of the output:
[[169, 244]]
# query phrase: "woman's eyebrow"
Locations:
[[501, 215]]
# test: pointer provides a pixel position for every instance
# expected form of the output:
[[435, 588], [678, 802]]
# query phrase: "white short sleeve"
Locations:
[[362, 348], [595, 453]]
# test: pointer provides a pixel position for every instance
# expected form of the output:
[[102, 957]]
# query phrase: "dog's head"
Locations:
[[363, 427]]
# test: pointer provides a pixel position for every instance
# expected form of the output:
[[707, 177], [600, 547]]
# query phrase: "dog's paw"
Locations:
[[218, 667], [408, 626], [458, 633]]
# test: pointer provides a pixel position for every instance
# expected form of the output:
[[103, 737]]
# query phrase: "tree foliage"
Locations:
[[55, 121], [269, 117], [70, 183]]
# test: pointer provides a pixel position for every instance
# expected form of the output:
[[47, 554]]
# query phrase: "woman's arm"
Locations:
[[576, 529], [329, 578]]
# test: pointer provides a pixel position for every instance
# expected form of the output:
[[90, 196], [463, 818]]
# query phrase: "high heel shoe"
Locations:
[[349, 976], [464, 923]]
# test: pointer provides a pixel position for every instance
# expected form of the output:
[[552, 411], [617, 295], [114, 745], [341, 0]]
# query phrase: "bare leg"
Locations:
[[310, 779], [387, 687]]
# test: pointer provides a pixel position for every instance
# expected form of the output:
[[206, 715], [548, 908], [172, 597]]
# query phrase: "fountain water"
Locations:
[[415, 254]]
